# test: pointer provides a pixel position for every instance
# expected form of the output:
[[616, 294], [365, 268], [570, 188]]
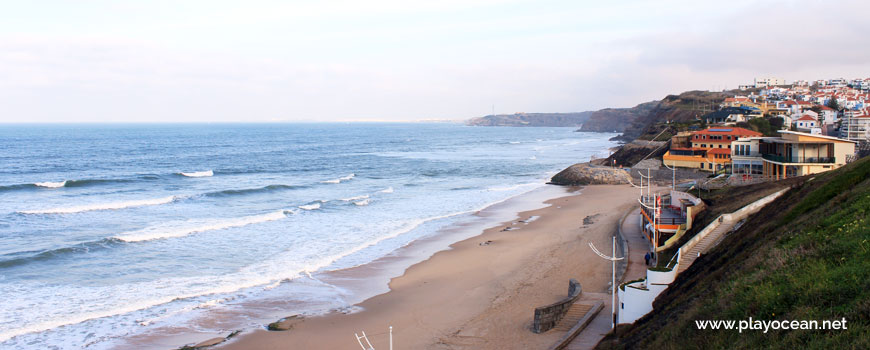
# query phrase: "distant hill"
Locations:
[[644, 121], [618, 119], [532, 119]]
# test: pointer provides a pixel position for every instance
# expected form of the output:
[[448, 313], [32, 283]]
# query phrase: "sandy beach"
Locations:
[[480, 293]]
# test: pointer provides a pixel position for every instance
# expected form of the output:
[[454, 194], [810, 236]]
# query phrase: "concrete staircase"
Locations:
[[688, 256], [715, 232], [574, 314]]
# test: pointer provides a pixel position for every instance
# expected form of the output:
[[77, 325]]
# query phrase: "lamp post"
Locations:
[[655, 217], [673, 176], [613, 287]]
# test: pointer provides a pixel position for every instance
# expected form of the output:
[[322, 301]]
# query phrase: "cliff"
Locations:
[[617, 119], [643, 121]]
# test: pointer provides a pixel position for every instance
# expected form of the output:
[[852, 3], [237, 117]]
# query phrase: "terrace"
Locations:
[[787, 151]]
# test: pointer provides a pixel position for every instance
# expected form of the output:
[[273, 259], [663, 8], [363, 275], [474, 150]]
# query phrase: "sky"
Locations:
[[383, 60]]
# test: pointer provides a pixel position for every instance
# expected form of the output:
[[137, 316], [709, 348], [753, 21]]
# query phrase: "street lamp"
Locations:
[[674, 176], [613, 287]]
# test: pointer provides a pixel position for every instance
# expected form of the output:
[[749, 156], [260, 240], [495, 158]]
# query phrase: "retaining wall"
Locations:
[[546, 317]]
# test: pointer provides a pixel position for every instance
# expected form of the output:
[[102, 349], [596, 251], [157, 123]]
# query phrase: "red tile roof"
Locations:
[[733, 131], [807, 117]]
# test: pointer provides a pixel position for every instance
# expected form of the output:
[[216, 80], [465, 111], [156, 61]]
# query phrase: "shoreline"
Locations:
[[360, 282], [475, 282]]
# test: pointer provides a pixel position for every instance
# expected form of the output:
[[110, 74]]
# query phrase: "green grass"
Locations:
[[804, 257]]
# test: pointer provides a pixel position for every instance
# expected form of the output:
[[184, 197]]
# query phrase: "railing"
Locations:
[[793, 159], [663, 221]]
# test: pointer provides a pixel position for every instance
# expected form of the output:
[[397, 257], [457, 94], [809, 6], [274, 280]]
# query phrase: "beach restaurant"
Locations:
[[665, 217]]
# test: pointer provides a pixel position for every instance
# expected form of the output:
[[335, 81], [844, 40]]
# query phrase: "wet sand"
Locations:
[[480, 293]]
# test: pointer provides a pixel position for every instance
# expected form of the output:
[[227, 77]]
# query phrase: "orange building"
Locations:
[[710, 149]]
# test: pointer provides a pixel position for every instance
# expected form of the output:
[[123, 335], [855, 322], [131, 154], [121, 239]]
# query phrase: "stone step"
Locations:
[[574, 314]]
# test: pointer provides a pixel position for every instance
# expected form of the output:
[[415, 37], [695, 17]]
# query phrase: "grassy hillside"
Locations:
[[804, 257]]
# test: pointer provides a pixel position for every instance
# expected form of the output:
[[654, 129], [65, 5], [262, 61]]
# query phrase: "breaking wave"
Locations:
[[51, 184], [206, 173], [103, 206], [168, 231], [351, 199], [314, 206], [339, 180]]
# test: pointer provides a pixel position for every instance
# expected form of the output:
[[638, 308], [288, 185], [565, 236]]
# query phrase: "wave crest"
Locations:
[[103, 206], [51, 184], [243, 191], [356, 198], [339, 180], [314, 206], [162, 231], [206, 173]]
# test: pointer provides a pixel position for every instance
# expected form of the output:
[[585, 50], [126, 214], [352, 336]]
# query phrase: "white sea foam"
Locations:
[[314, 206], [103, 206], [266, 275], [351, 199], [515, 142], [530, 219], [206, 173], [172, 230], [387, 190], [51, 184], [362, 202], [339, 180]]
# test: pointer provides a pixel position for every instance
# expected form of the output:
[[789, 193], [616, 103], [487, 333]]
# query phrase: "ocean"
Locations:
[[112, 232]]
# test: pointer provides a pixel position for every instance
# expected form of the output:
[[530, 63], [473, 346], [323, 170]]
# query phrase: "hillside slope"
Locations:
[[805, 256]]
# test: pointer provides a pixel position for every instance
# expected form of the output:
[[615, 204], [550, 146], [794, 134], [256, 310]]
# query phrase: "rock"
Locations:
[[285, 324], [210, 342], [586, 174], [589, 220]]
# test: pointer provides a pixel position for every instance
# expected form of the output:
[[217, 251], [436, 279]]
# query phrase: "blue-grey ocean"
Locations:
[[111, 231]]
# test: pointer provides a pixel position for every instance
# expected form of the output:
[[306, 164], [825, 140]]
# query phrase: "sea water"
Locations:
[[109, 232]]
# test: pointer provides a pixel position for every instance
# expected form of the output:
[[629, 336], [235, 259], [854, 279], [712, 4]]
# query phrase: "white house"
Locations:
[[828, 115], [806, 123]]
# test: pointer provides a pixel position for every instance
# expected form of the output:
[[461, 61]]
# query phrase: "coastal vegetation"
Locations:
[[805, 256]]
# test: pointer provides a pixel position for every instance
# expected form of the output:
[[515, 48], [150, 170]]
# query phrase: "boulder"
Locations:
[[587, 174], [285, 324]]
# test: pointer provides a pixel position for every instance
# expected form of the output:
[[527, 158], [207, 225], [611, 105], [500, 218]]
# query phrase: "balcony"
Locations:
[[667, 217], [793, 159]]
